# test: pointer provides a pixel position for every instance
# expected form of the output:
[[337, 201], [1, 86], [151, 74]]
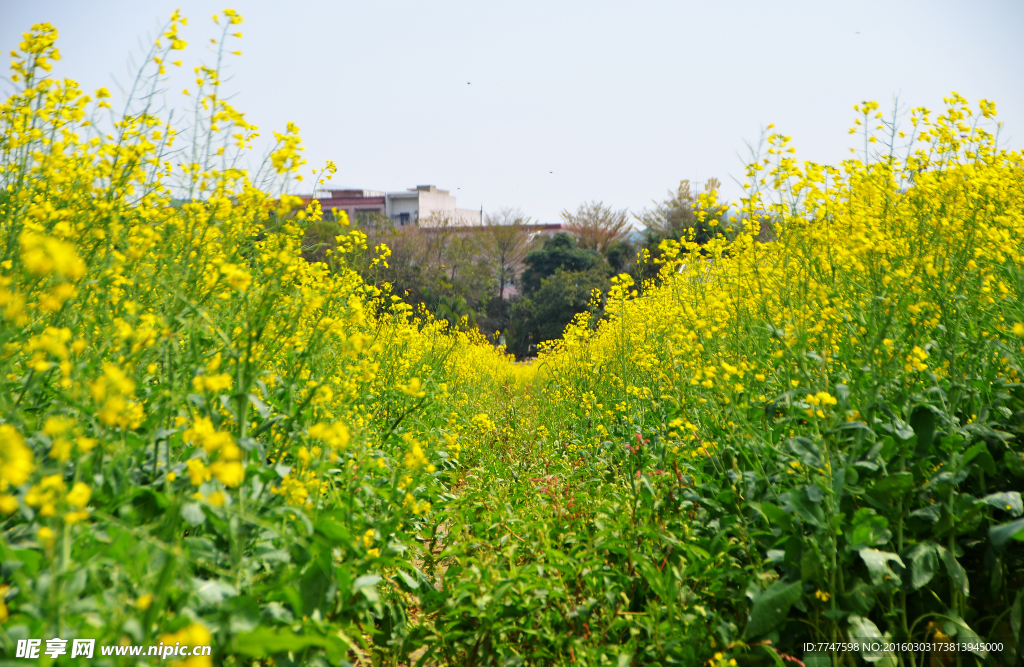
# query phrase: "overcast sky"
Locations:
[[543, 104]]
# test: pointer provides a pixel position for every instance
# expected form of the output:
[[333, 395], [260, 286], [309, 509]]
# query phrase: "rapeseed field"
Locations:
[[207, 440]]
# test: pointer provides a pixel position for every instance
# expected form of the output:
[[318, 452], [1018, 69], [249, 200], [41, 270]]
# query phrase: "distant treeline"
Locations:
[[512, 280]]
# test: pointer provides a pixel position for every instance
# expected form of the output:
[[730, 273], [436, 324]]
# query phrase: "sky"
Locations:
[[544, 105]]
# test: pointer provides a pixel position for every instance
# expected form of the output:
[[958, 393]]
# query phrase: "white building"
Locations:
[[425, 205]]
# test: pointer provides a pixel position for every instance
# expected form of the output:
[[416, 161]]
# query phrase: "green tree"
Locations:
[[551, 307], [676, 218], [620, 256], [557, 252], [557, 284], [455, 310], [439, 266], [320, 241]]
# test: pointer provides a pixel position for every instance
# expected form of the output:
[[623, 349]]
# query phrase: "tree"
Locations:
[[597, 226], [557, 252], [676, 218], [504, 244], [556, 285], [620, 256], [456, 311], [320, 240], [551, 307], [439, 266]]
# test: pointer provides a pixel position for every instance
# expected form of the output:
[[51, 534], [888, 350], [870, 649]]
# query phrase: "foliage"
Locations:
[[557, 253], [505, 243], [677, 218], [620, 256], [559, 281], [596, 226], [207, 438], [545, 312], [847, 399], [440, 266]]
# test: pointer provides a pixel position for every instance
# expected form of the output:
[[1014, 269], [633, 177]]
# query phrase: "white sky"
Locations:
[[544, 104]]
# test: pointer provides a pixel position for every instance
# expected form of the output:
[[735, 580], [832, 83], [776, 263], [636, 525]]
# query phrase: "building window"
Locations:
[[403, 218], [367, 216]]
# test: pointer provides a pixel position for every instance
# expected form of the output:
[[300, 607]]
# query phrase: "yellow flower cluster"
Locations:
[[113, 393], [16, 464], [415, 458], [823, 273], [415, 506], [483, 422], [160, 327], [43, 255], [51, 492], [192, 635], [228, 468], [336, 435]]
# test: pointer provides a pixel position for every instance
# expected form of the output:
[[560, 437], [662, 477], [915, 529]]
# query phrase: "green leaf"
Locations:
[[192, 513], [853, 426], [812, 566], [955, 570], [984, 458], [367, 585], [973, 451], [777, 515], [1015, 463], [211, 592], [771, 607], [1009, 501], [878, 565], [805, 508], [29, 559], [902, 429], [260, 406], [924, 561], [863, 630], [817, 659], [76, 584], [987, 432], [860, 598], [265, 641], [1017, 615], [922, 420], [334, 531], [408, 580], [888, 447], [893, 486], [806, 450], [952, 443], [869, 529], [966, 635], [929, 513], [1002, 534]]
